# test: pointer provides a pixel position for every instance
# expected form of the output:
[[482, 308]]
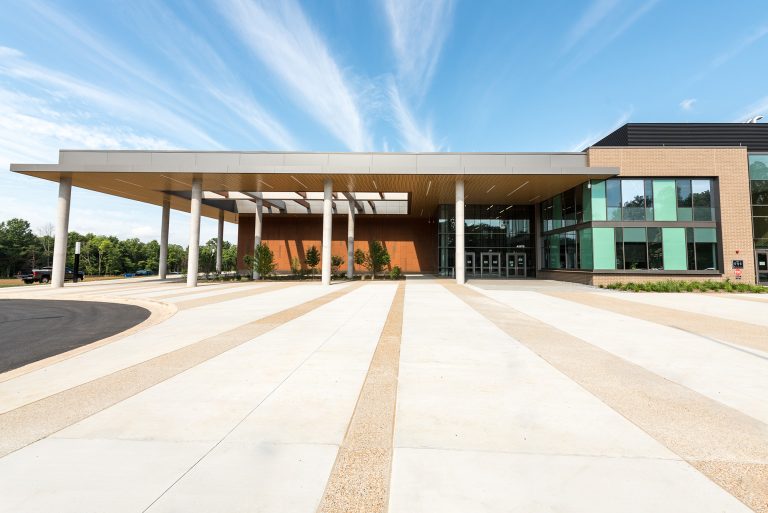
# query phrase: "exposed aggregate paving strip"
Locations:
[[27, 424], [741, 333], [359, 481], [727, 446], [229, 296]]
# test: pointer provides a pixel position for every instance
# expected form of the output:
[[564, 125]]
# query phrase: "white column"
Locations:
[[460, 258], [164, 223], [220, 242], [351, 240], [327, 225], [194, 232], [62, 232], [257, 224]]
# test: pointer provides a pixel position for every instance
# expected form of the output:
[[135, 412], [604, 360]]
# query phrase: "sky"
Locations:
[[352, 75]]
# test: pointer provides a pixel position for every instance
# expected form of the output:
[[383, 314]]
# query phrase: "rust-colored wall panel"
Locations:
[[411, 242], [246, 226]]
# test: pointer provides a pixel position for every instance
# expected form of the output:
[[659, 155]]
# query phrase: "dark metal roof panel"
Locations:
[[752, 135]]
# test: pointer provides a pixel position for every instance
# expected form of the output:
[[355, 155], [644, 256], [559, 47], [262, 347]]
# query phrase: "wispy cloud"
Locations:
[[412, 136], [687, 104], [602, 23], [734, 51], [418, 31], [280, 35], [758, 108], [14, 65], [595, 136], [597, 11]]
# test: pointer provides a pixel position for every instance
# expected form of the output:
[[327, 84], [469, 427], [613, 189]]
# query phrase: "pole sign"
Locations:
[[76, 269]]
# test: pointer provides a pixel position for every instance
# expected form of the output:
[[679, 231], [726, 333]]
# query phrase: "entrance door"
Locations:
[[516, 264], [490, 265], [469, 264], [762, 266]]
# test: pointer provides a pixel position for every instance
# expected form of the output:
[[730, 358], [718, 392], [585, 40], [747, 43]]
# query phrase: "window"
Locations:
[[613, 199], [655, 249], [635, 249], [702, 249], [684, 201], [702, 200], [649, 199], [619, 238], [633, 200]]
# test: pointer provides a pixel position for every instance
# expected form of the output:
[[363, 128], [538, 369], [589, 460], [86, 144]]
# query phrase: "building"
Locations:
[[647, 202]]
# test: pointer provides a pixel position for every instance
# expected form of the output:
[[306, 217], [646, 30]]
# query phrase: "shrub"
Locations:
[[394, 274], [688, 286], [296, 268], [312, 258], [336, 262]]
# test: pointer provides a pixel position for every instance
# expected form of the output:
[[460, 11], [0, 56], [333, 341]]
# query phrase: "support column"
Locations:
[[257, 224], [164, 223], [460, 257], [351, 240], [327, 225], [220, 242], [62, 232], [194, 232]]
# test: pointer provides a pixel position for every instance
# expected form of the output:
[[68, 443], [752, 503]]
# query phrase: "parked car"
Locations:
[[144, 272], [43, 275]]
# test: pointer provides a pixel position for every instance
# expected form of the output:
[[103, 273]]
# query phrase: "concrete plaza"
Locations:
[[411, 396]]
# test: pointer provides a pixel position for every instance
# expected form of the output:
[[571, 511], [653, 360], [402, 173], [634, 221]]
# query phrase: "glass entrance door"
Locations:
[[516, 264], [469, 264], [490, 265], [762, 266]]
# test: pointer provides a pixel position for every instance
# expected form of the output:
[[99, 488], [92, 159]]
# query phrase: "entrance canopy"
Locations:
[[291, 183]]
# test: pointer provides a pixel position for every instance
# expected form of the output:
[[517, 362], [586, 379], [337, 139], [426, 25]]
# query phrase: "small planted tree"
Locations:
[[359, 257], [336, 262], [295, 266], [312, 258], [262, 262], [377, 258]]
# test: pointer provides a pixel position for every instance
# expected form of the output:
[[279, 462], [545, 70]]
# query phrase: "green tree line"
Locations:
[[21, 249]]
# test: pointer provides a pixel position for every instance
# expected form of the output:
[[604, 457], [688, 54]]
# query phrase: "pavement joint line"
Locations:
[[41, 418], [361, 474], [743, 334], [725, 445], [263, 399], [159, 312], [230, 296]]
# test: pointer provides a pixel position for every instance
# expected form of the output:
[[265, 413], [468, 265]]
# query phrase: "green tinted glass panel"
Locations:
[[604, 255], [554, 251], [673, 246], [664, 200], [585, 248], [586, 193], [758, 167], [557, 211], [704, 235], [598, 201], [634, 234]]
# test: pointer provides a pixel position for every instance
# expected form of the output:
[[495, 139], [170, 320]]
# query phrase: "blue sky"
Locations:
[[350, 75]]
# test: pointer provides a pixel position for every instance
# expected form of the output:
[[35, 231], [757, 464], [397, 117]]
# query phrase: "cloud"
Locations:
[[280, 35], [733, 52], [88, 97], [592, 137], [595, 13], [687, 104], [758, 108], [413, 137], [418, 29]]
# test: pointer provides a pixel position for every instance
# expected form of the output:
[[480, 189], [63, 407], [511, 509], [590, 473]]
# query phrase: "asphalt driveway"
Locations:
[[33, 329]]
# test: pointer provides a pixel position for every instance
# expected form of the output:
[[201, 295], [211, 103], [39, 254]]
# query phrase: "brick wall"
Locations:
[[728, 165]]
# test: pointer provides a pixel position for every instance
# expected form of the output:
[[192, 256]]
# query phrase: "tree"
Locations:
[[17, 245], [312, 258], [359, 257], [45, 236], [376, 258], [336, 262], [263, 261]]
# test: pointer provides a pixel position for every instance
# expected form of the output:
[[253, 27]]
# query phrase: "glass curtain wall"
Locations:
[[638, 224], [498, 241], [758, 184]]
